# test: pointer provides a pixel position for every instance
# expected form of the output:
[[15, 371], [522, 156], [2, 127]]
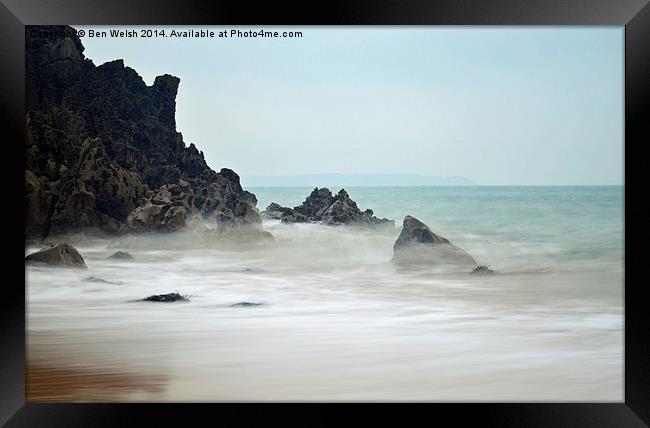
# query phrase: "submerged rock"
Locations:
[[321, 206], [482, 270], [245, 304], [121, 255], [99, 280], [62, 254], [417, 244], [171, 297]]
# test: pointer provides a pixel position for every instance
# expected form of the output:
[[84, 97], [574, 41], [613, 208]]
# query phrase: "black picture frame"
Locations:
[[15, 14]]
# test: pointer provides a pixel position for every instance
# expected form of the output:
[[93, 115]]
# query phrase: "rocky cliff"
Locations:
[[103, 153]]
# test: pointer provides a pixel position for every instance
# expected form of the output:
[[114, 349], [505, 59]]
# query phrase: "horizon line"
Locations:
[[453, 185]]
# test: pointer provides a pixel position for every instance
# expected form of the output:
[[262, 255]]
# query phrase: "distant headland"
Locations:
[[341, 180]]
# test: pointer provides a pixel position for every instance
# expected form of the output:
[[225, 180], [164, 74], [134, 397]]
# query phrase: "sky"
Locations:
[[496, 105]]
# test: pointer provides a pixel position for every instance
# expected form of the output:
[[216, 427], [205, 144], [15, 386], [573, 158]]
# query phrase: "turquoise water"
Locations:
[[512, 228]]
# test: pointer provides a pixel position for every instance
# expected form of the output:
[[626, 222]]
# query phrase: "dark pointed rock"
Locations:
[[417, 244], [345, 211], [316, 203]]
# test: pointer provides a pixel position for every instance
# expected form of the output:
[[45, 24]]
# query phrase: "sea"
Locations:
[[332, 319]]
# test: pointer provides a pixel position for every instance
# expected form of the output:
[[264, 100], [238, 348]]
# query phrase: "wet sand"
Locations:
[[57, 384]]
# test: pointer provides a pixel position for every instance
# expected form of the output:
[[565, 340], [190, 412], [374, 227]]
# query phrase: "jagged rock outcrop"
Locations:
[[417, 244], [344, 210], [316, 203], [62, 254], [322, 206], [103, 153]]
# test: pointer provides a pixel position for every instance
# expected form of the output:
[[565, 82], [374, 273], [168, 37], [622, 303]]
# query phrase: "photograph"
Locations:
[[308, 214]]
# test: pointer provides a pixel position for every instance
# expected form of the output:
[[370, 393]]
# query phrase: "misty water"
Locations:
[[338, 321]]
